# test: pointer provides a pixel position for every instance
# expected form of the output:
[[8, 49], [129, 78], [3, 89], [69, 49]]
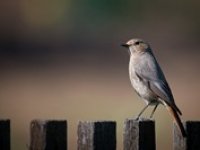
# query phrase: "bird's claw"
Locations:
[[137, 118]]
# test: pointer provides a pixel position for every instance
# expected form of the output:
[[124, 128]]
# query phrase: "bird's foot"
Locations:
[[151, 116], [137, 118]]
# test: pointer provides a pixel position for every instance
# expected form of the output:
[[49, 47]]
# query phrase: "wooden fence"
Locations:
[[101, 135]]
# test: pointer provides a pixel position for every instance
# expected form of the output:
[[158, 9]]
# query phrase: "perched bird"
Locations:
[[149, 81]]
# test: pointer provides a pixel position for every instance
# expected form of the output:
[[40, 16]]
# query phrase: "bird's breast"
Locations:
[[141, 88]]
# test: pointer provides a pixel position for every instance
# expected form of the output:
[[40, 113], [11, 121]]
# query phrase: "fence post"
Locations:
[[193, 135], [4, 134], [97, 135], [48, 135], [139, 134]]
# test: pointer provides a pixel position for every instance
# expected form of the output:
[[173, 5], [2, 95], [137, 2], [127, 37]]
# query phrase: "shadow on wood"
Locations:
[[139, 134], [4, 134], [192, 142], [97, 135], [48, 135]]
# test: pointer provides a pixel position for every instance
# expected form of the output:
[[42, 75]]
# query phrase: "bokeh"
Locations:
[[61, 59]]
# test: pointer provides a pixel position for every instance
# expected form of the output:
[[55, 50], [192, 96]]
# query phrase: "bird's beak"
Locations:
[[125, 45]]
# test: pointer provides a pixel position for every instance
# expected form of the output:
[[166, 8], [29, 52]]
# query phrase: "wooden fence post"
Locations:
[[139, 134], [192, 142], [4, 134], [97, 135], [48, 135]]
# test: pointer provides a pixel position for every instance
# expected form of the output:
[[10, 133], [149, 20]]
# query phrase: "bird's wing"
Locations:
[[153, 76]]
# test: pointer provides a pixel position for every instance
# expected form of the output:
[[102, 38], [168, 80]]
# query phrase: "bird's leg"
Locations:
[[152, 113], [138, 116]]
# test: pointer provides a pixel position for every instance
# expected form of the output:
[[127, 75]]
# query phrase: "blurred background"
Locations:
[[61, 59]]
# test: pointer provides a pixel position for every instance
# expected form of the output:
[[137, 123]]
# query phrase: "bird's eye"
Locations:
[[137, 43]]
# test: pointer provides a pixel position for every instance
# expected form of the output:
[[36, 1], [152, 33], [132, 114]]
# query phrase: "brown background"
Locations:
[[61, 59]]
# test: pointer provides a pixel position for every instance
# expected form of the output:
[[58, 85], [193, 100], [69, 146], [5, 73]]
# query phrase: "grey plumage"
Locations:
[[148, 79]]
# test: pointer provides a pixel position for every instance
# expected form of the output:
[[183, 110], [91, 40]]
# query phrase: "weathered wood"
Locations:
[[139, 134], [48, 135], [97, 135], [4, 134], [192, 141]]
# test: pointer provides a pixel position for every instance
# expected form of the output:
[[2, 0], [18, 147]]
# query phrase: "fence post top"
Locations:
[[140, 120]]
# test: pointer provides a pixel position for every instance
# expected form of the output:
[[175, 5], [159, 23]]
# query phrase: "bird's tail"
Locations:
[[177, 119]]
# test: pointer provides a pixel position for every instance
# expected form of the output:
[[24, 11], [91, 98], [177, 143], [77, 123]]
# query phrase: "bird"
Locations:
[[148, 80]]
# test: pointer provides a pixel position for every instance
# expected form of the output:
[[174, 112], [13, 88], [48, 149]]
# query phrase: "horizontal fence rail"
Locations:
[[101, 135]]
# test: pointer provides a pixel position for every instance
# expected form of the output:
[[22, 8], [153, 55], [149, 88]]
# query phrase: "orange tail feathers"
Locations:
[[177, 120]]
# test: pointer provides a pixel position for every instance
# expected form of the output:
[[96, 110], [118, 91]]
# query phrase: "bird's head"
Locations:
[[137, 46]]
